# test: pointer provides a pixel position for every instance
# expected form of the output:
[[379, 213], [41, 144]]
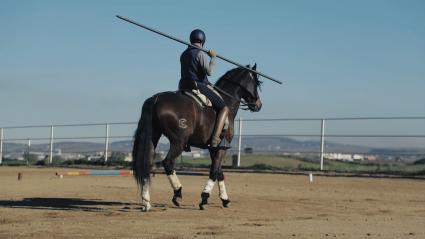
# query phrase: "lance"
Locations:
[[200, 48]]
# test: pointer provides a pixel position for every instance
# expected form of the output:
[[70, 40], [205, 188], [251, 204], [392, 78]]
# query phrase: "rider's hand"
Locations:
[[212, 53]]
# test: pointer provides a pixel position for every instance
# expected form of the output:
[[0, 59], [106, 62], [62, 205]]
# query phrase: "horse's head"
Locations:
[[247, 85], [250, 85]]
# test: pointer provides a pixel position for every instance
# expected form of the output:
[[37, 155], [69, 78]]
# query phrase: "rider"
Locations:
[[194, 70]]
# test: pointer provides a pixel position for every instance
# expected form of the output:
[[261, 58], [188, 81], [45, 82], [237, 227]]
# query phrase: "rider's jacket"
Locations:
[[195, 66]]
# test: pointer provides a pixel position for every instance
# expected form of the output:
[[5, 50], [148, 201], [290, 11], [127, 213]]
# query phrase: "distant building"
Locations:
[[193, 154], [371, 157], [248, 150], [69, 156], [357, 157], [338, 156], [39, 155], [349, 157], [96, 156], [128, 157]]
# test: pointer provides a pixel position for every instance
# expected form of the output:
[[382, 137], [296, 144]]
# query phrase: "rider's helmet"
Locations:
[[197, 35]]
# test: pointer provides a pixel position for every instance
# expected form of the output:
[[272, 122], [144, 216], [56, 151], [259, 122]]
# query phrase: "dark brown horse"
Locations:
[[186, 123]]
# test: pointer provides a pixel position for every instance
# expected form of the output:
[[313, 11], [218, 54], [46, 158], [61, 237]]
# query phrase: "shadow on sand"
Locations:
[[74, 204]]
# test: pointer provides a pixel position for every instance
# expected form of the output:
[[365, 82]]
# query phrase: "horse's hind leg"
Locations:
[[146, 199], [169, 163]]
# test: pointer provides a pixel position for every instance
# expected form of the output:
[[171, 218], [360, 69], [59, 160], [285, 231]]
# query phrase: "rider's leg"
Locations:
[[222, 113], [221, 119]]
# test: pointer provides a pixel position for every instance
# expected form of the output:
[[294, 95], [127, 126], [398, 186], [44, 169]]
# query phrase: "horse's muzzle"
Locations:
[[257, 106]]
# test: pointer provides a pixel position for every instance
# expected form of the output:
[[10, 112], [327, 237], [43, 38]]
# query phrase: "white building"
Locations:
[[193, 154], [338, 156]]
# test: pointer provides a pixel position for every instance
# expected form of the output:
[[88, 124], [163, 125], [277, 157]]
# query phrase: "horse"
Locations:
[[187, 123]]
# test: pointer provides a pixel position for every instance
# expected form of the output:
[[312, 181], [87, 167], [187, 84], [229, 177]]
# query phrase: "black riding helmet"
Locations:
[[197, 35]]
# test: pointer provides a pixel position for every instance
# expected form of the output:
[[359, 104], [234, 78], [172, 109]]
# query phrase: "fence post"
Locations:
[[51, 144], [1, 146], [240, 142], [106, 142], [28, 152], [322, 143]]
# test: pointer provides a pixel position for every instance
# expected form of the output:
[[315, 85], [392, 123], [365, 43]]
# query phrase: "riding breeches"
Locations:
[[216, 100]]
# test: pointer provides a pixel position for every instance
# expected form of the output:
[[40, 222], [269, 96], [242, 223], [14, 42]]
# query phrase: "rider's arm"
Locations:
[[206, 63]]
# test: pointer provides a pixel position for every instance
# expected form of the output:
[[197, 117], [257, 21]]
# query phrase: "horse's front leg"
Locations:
[[169, 163], [222, 190], [216, 173]]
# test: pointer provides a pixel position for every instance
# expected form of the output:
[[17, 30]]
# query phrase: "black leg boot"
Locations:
[[226, 203], [177, 198], [204, 200]]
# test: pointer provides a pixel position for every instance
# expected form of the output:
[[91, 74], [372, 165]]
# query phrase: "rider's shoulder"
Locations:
[[200, 54]]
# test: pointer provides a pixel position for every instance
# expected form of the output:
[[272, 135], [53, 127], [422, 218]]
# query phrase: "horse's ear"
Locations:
[[248, 66], [254, 67]]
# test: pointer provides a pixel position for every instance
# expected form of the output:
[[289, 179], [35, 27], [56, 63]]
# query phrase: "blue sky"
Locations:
[[73, 61]]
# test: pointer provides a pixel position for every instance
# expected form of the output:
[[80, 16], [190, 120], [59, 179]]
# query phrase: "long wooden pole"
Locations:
[[200, 48]]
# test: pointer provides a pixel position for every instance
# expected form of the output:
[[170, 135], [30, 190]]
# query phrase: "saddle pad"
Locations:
[[200, 98]]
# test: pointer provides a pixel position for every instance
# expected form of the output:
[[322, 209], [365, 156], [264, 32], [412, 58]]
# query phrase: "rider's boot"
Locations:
[[221, 119]]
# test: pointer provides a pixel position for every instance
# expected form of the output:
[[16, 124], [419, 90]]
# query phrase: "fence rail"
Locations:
[[240, 135]]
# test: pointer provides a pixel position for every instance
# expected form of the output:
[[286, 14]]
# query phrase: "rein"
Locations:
[[243, 105]]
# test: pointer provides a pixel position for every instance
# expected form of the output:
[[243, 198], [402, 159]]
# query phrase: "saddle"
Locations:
[[198, 97]]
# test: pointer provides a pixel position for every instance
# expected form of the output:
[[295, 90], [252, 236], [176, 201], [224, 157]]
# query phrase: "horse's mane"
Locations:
[[231, 73]]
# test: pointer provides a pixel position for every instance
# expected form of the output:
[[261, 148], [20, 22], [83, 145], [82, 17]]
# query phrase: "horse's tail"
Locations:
[[143, 149]]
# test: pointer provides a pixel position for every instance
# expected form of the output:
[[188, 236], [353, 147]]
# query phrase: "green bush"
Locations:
[[420, 161], [262, 166]]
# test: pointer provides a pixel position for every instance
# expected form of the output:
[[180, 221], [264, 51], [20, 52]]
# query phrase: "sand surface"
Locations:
[[42, 205]]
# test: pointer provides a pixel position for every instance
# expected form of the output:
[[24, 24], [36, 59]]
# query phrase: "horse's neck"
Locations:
[[233, 109], [232, 103]]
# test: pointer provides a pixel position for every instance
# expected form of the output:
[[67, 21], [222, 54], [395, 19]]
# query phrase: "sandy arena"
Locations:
[[42, 205]]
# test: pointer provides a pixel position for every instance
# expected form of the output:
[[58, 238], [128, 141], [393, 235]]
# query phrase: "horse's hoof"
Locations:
[[202, 206], [226, 203], [176, 201], [177, 198], [204, 200], [146, 207]]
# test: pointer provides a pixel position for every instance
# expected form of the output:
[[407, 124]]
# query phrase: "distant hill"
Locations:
[[71, 147], [258, 144], [271, 143]]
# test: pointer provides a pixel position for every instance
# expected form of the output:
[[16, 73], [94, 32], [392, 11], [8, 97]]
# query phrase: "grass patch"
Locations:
[[260, 162], [285, 163]]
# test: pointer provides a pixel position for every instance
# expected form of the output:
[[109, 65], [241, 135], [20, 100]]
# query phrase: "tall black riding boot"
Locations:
[[221, 119]]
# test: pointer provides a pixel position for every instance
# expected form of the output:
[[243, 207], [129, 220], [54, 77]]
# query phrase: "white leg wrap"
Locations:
[[222, 189], [209, 187], [146, 198], [174, 181]]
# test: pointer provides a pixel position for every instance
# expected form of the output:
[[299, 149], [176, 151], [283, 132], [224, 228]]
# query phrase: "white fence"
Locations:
[[411, 128]]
